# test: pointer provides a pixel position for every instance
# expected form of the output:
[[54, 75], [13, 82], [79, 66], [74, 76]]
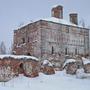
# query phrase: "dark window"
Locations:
[[21, 65], [76, 51], [21, 70], [28, 39], [52, 52], [23, 40], [65, 51]]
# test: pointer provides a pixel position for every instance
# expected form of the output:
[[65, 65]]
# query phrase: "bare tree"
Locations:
[[2, 48], [10, 50]]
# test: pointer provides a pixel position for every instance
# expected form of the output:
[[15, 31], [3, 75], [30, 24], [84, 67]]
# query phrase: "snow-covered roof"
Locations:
[[54, 6], [18, 57], [85, 61], [51, 19], [69, 61], [61, 21], [46, 62]]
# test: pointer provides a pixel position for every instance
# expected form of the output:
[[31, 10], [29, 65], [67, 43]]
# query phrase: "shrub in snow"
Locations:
[[47, 68], [80, 73]]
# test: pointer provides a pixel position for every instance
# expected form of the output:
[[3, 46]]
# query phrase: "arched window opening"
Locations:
[[21, 69]]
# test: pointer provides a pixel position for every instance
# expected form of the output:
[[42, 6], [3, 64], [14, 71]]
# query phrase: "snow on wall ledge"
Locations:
[[46, 62], [18, 57], [85, 61], [69, 61]]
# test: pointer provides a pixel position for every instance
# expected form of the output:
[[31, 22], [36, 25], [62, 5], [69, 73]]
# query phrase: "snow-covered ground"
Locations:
[[58, 81]]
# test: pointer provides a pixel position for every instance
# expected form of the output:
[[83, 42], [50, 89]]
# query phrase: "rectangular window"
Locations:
[[75, 51], [52, 52], [65, 51]]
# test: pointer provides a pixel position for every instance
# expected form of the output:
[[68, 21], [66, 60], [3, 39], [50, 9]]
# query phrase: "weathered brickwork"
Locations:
[[11, 67], [27, 40], [52, 41], [48, 40]]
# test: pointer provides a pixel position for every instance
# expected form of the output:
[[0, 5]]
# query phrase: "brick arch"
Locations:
[[21, 69]]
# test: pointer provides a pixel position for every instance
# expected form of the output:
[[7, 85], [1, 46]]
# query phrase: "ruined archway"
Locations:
[[21, 69]]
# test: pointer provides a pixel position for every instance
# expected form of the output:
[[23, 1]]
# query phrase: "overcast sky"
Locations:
[[16, 12]]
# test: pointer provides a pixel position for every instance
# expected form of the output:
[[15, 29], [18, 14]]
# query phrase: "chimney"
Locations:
[[57, 12], [74, 18]]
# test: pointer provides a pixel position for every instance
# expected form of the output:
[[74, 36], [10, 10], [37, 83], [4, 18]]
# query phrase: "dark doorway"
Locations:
[[28, 54], [21, 70], [21, 65]]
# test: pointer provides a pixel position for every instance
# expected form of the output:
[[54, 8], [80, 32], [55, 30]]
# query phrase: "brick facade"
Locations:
[[50, 40]]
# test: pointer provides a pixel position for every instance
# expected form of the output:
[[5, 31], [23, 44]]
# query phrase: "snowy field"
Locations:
[[58, 81]]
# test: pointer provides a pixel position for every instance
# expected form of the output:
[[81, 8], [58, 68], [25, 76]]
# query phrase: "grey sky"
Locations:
[[15, 12]]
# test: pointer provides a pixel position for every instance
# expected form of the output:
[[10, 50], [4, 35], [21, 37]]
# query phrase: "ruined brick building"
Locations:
[[52, 38]]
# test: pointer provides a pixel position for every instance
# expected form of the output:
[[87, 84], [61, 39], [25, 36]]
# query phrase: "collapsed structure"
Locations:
[[52, 38], [13, 65]]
